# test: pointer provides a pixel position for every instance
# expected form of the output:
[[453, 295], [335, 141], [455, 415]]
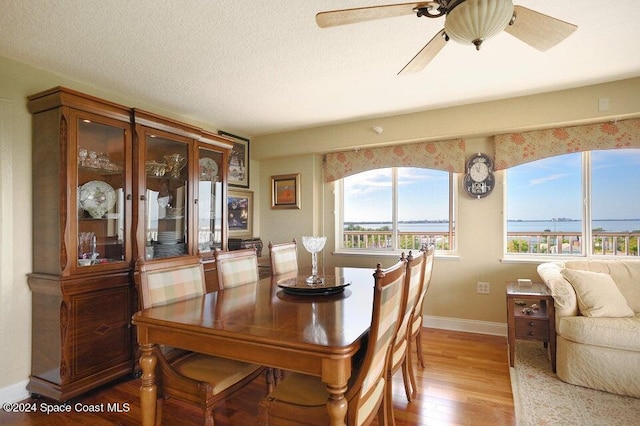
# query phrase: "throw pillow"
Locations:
[[597, 293]]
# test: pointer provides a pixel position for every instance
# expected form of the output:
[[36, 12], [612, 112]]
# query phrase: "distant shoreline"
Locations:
[[515, 225], [374, 222]]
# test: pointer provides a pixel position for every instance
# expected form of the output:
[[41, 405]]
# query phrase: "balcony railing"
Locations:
[[553, 243], [407, 240], [570, 243]]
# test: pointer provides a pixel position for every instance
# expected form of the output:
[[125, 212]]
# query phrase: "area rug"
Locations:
[[541, 399]]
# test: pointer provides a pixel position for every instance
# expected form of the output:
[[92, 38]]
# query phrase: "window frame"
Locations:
[[395, 251], [587, 251]]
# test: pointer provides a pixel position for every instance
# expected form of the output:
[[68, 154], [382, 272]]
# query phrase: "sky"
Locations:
[[552, 188], [423, 194], [541, 190]]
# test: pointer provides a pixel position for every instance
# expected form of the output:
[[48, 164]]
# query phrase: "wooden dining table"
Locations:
[[260, 323]]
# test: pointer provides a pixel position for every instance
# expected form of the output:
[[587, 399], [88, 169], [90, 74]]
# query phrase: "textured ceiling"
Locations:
[[260, 67]]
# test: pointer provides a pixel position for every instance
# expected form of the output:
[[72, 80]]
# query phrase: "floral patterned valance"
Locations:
[[445, 155], [518, 148]]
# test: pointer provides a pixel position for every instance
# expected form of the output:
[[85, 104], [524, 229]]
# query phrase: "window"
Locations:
[[396, 209], [546, 214]]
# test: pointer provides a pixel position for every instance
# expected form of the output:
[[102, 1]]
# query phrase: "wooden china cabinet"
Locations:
[[81, 290], [179, 191], [111, 185]]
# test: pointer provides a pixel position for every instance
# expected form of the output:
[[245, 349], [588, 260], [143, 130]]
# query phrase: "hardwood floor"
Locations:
[[466, 382]]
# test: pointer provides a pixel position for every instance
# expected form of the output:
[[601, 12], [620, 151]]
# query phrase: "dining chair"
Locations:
[[198, 379], [236, 267], [302, 400], [416, 318], [398, 359], [284, 257]]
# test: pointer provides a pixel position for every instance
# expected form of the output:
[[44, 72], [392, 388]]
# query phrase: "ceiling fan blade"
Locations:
[[361, 14], [539, 31], [425, 55]]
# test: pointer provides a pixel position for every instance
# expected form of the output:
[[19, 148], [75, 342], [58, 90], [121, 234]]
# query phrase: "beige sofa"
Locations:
[[597, 305]]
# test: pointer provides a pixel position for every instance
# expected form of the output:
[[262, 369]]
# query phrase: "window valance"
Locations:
[[444, 155], [513, 149]]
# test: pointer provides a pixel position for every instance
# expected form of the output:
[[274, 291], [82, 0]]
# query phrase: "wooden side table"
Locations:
[[538, 325]]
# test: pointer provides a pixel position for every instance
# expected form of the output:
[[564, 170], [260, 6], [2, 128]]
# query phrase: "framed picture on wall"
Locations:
[[285, 191], [240, 213], [238, 161]]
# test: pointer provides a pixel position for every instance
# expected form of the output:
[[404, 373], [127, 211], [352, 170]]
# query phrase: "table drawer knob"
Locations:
[[531, 333], [531, 324]]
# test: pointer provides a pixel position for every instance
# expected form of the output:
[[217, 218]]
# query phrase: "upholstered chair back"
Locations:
[[416, 317], [399, 348], [386, 313], [236, 267], [170, 281], [283, 257], [428, 271]]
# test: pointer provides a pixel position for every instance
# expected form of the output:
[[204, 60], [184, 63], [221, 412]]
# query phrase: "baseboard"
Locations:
[[469, 326], [15, 392]]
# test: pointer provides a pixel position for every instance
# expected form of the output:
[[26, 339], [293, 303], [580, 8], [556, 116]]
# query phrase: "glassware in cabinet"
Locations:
[[210, 200], [102, 146], [164, 190], [166, 197]]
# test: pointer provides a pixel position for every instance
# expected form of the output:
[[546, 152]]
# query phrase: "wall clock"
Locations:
[[479, 180]]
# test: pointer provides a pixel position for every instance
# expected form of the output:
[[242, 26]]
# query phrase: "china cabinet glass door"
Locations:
[[166, 211], [101, 188], [210, 198]]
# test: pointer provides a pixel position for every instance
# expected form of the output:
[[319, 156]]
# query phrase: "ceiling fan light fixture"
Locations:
[[473, 21]]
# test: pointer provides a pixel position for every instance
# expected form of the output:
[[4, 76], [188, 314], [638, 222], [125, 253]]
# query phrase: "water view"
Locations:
[[534, 226]]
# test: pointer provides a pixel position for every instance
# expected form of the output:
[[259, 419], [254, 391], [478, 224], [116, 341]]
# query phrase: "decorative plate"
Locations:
[[299, 286], [97, 198], [208, 168]]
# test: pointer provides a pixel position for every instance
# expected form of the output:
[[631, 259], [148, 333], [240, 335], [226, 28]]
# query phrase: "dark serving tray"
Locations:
[[298, 286]]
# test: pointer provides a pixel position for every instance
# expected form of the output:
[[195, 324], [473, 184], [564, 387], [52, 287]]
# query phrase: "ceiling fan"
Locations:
[[466, 21]]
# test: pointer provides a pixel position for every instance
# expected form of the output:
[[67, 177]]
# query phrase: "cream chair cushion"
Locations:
[[597, 293], [221, 373]]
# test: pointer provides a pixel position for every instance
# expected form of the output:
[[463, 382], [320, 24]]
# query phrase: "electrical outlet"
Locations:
[[482, 287]]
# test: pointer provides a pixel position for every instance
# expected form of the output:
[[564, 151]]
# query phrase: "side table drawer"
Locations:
[[532, 328]]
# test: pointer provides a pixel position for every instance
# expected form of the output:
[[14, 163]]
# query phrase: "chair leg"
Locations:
[[411, 368], [270, 379], [278, 375], [208, 417], [382, 413], [419, 347], [388, 400], [408, 388], [273, 377]]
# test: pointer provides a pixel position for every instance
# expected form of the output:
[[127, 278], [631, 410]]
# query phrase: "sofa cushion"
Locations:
[[619, 333], [597, 293], [564, 295], [625, 273]]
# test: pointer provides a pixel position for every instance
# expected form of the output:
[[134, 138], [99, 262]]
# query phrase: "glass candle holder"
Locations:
[[314, 245]]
